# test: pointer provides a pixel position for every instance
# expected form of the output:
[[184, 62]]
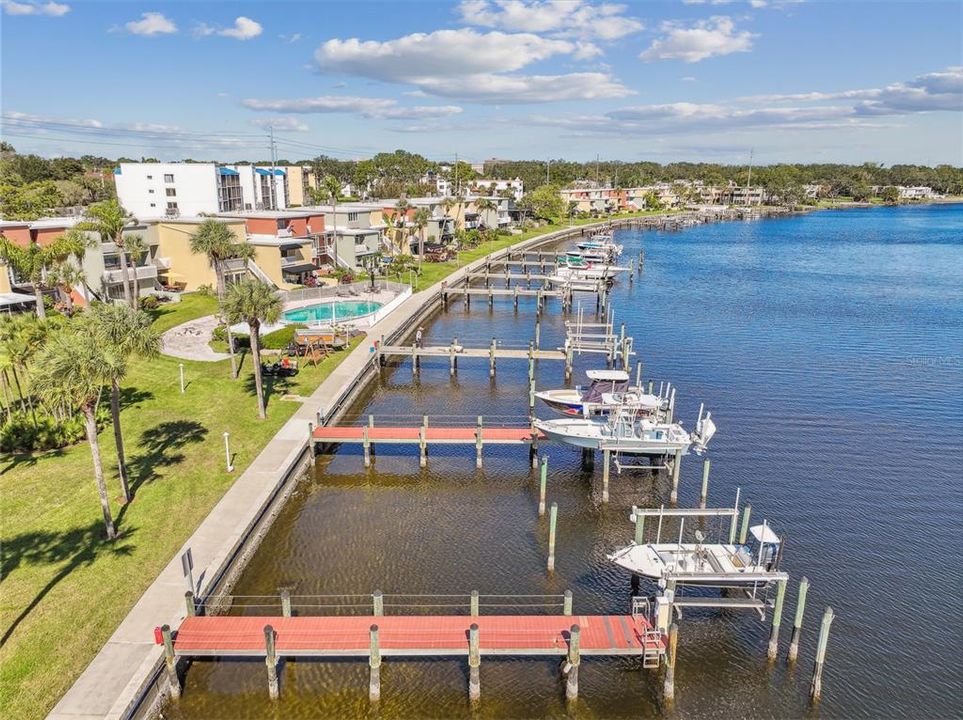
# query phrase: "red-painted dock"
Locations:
[[432, 435], [413, 636]]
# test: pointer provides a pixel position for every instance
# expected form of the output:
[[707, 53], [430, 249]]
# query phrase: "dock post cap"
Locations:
[[373, 628]]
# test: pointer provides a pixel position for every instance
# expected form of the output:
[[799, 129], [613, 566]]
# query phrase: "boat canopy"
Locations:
[[610, 375], [764, 534]]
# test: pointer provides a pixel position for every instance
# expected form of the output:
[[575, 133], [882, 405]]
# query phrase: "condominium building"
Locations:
[[173, 189]]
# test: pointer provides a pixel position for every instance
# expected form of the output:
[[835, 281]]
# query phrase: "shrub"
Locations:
[[219, 333], [206, 291], [20, 433], [149, 303]]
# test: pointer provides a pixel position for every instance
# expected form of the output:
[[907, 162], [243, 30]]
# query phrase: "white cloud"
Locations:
[[51, 9], [706, 38], [758, 3], [574, 18], [468, 64], [368, 107], [931, 92], [687, 78], [292, 38], [281, 124], [151, 23], [243, 29]]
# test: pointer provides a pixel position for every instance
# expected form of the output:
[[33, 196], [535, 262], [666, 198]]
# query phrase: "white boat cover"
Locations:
[[610, 375], [764, 534]]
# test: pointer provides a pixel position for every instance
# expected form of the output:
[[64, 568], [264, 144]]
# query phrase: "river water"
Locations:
[[829, 348]]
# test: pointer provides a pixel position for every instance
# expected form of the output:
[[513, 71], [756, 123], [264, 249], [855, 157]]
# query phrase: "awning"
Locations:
[[300, 267], [262, 171], [7, 299], [227, 171]]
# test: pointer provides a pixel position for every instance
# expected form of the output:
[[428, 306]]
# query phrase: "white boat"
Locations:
[[608, 390], [740, 564], [626, 430], [584, 269], [602, 245]]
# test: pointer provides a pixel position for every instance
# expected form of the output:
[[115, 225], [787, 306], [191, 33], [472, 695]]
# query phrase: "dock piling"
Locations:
[[639, 527], [474, 663], [574, 660], [816, 688], [542, 485], [567, 603], [703, 496], [668, 686], [366, 445], [271, 660], [189, 603], [606, 462], [286, 602], [378, 603], [171, 662], [552, 522], [478, 444], [474, 603], [374, 667], [491, 358], [798, 621], [676, 471], [422, 447], [744, 530], [776, 620]]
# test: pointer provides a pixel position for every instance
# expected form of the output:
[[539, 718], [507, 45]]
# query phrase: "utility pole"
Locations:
[[548, 178], [596, 170], [457, 187], [272, 185]]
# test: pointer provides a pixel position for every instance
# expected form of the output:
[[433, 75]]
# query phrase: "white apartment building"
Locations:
[[497, 187], [175, 189]]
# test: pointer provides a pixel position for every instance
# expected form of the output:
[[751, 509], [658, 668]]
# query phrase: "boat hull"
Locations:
[[595, 435]]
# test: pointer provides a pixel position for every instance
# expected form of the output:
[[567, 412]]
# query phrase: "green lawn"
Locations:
[[64, 588]]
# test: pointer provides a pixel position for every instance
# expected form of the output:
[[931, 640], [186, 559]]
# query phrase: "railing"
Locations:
[[141, 272], [335, 291]]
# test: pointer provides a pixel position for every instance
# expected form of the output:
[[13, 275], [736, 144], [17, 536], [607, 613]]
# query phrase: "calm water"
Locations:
[[331, 311], [828, 348]]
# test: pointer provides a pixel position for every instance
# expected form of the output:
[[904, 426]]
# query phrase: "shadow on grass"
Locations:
[[130, 396], [273, 385], [77, 547], [159, 447], [29, 459]]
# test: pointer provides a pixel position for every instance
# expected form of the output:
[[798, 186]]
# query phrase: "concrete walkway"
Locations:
[[112, 683], [190, 340]]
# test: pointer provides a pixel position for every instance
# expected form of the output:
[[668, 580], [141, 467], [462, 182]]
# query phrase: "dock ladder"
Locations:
[[652, 637]]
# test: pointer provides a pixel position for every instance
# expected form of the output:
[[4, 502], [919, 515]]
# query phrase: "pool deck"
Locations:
[[126, 665]]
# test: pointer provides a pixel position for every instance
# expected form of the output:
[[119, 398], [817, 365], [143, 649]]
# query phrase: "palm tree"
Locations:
[[484, 205], [124, 333], [21, 337], [330, 190], [81, 242], [73, 370], [421, 218], [32, 262], [65, 276], [108, 219], [216, 240], [253, 302], [136, 247]]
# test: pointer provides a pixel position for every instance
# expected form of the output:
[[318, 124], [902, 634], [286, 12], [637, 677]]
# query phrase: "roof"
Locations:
[[184, 219], [263, 171], [272, 214], [54, 222], [356, 231], [612, 375], [227, 171], [8, 299], [764, 534], [271, 240], [348, 207]]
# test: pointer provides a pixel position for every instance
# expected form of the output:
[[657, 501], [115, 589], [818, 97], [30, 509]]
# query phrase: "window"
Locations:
[[352, 217], [169, 178], [150, 177], [171, 192], [172, 206], [151, 191], [153, 204]]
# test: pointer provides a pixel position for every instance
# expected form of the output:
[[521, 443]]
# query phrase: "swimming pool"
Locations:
[[331, 311]]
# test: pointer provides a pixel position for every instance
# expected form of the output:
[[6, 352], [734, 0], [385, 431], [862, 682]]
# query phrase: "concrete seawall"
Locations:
[[124, 678]]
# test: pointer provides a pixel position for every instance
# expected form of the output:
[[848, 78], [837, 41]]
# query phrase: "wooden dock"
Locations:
[[368, 436], [415, 636]]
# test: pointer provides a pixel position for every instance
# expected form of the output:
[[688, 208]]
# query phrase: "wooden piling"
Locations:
[[378, 603], [271, 660], [671, 650], [422, 447], [574, 660], [538, 332], [816, 688], [286, 602], [491, 358], [776, 619], [414, 360], [374, 667], [542, 485], [567, 603], [798, 621], [744, 530], [639, 527], [366, 445], [703, 496], [452, 362], [170, 661], [606, 462], [474, 663], [473, 606], [552, 521], [190, 607], [676, 471]]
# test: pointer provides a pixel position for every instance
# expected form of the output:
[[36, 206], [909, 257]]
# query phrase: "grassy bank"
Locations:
[[64, 588]]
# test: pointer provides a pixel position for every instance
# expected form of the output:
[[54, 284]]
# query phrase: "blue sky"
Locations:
[[688, 80]]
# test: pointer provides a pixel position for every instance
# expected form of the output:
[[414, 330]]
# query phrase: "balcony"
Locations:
[[141, 272], [162, 263]]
